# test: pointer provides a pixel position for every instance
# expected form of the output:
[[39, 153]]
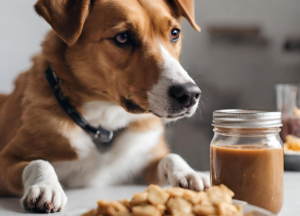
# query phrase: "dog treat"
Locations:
[[292, 143], [155, 201]]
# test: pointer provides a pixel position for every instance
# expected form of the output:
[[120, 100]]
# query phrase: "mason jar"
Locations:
[[246, 155]]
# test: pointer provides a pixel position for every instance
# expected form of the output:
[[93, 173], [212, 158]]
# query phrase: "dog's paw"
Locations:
[[192, 180], [44, 198]]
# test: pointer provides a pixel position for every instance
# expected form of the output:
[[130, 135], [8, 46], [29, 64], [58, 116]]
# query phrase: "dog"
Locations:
[[107, 66]]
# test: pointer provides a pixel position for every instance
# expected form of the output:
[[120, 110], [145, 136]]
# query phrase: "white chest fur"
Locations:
[[130, 152]]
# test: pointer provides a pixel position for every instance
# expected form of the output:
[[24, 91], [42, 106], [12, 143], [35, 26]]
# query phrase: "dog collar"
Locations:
[[100, 136]]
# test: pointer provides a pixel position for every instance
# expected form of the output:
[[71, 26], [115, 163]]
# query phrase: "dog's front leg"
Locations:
[[178, 173], [43, 192]]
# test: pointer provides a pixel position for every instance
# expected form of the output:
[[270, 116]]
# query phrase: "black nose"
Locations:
[[186, 94]]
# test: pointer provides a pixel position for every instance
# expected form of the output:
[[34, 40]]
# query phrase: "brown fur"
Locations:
[[187, 10], [2, 98], [91, 67], [67, 19]]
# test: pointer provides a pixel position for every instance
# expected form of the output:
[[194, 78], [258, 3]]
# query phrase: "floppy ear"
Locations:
[[66, 17], [186, 7]]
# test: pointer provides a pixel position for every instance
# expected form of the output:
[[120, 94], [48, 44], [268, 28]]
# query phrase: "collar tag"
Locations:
[[102, 140], [104, 136]]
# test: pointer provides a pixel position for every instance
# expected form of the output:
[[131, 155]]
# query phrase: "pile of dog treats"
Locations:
[[292, 143], [155, 201]]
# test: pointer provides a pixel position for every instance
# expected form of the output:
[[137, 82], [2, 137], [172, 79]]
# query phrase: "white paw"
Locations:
[[192, 180], [44, 198]]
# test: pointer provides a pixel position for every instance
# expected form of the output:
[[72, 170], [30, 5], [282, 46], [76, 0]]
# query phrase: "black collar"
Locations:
[[100, 136]]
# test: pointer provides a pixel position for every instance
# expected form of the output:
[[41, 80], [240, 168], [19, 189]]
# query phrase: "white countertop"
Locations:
[[82, 200]]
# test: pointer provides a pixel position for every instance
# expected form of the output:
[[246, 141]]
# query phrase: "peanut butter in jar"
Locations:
[[247, 156]]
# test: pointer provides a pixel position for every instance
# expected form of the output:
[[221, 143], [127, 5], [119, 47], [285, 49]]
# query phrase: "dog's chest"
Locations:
[[129, 154]]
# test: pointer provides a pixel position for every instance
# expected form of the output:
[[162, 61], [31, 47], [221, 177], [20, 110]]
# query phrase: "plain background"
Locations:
[[231, 75]]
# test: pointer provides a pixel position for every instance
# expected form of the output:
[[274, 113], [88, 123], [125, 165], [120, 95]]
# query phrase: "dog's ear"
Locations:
[[66, 17], [186, 7]]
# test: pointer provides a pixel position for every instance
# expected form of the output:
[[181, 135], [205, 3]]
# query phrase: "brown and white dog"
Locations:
[[118, 65]]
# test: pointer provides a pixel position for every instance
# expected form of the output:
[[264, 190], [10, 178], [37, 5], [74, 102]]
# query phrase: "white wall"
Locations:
[[21, 32], [278, 18], [250, 71]]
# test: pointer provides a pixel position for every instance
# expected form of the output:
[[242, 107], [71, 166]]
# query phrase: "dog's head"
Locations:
[[127, 51]]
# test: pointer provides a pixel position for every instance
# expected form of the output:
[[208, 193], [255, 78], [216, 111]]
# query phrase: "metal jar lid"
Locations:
[[237, 118]]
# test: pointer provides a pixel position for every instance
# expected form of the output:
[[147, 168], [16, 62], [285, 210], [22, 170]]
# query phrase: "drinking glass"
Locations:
[[288, 102]]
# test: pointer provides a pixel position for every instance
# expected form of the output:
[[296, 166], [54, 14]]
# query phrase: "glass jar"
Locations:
[[288, 102], [247, 156]]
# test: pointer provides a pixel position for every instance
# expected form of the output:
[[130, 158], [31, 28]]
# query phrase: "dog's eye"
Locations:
[[122, 38], [175, 34]]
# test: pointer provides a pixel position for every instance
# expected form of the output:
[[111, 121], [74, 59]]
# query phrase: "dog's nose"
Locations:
[[186, 94]]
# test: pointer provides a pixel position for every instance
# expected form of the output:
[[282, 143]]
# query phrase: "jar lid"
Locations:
[[237, 118]]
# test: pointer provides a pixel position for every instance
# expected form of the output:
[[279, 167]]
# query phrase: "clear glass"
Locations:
[[288, 102], [250, 163]]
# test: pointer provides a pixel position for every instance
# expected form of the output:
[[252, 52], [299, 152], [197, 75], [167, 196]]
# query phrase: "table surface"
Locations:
[[82, 200]]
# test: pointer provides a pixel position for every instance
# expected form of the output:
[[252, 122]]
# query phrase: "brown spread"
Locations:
[[254, 173]]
